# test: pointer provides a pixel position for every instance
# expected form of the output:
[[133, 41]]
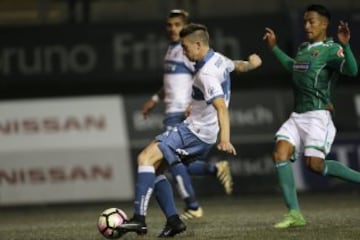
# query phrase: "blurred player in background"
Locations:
[[193, 138], [176, 94], [310, 130]]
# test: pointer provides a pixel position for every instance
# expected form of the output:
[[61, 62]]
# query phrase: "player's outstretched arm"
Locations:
[[151, 103], [343, 33], [270, 40], [350, 66], [254, 61]]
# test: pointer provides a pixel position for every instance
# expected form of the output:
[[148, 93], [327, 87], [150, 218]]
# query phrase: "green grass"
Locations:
[[329, 216]]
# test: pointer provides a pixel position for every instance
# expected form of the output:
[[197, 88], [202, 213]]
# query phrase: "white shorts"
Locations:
[[311, 133]]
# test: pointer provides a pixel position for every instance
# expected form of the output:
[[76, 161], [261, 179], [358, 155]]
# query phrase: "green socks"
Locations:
[[287, 184], [337, 169], [331, 168]]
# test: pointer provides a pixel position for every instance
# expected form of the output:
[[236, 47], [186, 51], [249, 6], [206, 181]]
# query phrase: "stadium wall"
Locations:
[[255, 116], [64, 150], [84, 148]]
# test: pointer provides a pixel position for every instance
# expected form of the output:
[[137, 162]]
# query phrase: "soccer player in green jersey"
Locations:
[[310, 131]]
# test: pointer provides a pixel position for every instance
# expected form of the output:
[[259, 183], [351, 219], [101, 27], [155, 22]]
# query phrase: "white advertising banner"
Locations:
[[64, 150]]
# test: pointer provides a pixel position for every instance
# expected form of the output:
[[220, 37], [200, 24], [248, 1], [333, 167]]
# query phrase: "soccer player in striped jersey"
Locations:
[[207, 125], [310, 130], [176, 94]]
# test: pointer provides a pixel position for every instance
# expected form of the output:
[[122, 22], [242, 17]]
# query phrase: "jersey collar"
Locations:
[[199, 64], [310, 45], [175, 43]]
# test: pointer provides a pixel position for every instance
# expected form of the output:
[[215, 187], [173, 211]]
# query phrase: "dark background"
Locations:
[[28, 29], [57, 48]]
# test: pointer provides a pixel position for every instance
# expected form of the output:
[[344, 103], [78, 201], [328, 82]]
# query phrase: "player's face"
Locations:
[[315, 26], [191, 49], [173, 27]]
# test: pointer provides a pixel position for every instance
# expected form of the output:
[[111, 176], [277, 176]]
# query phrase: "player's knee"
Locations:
[[283, 151], [279, 156], [315, 164], [142, 159]]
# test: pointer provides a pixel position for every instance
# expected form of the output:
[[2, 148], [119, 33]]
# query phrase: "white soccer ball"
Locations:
[[109, 221]]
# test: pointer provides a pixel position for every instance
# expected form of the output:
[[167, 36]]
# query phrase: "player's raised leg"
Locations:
[[220, 169], [173, 144], [334, 168], [223, 173]]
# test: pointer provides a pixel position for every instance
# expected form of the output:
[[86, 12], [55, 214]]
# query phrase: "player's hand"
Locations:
[[269, 37], [148, 106], [343, 33], [226, 147], [254, 60], [188, 110]]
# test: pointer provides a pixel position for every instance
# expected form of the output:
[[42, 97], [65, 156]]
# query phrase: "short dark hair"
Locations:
[[198, 31], [320, 9], [179, 13], [191, 28]]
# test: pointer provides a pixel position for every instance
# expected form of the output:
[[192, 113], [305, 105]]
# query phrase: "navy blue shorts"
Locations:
[[173, 119], [180, 144]]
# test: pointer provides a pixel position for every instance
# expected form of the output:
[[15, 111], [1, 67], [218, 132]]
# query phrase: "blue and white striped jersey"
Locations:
[[178, 71], [211, 80]]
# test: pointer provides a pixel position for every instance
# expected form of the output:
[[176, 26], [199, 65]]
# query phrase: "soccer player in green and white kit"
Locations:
[[310, 130]]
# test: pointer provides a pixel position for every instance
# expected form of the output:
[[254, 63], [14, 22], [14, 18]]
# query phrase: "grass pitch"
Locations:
[[329, 216]]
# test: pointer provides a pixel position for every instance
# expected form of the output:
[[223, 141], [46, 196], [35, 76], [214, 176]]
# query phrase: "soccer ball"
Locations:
[[108, 222]]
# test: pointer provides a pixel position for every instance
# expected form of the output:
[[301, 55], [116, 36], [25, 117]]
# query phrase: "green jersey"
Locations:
[[315, 69]]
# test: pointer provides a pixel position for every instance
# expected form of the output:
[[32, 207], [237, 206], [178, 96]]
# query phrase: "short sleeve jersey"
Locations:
[[315, 71], [211, 81], [178, 71]]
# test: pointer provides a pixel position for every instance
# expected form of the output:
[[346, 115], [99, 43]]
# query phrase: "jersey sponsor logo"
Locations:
[[170, 67], [176, 67], [315, 53], [301, 67]]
